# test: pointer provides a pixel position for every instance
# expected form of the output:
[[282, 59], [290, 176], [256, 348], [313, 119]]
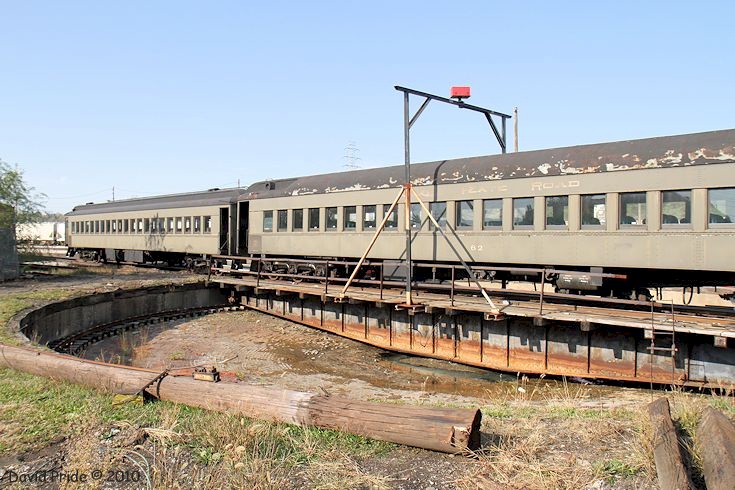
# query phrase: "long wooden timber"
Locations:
[[558, 339], [440, 429], [670, 467], [716, 439]]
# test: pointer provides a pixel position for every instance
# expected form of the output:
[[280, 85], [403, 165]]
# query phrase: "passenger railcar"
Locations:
[[174, 229], [660, 211]]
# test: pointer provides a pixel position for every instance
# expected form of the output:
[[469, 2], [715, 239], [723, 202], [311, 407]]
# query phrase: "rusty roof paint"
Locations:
[[662, 152]]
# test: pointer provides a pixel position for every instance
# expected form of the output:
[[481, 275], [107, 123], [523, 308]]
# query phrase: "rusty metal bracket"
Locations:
[[202, 374], [141, 392]]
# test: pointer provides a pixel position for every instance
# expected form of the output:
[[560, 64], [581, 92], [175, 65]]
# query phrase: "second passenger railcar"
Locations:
[[176, 229]]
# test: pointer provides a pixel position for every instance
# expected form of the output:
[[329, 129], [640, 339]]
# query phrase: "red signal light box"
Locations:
[[460, 93]]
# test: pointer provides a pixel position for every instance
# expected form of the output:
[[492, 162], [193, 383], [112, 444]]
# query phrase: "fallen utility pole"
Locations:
[[438, 429]]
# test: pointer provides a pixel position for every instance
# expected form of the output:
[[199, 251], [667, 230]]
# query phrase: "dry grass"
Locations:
[[552, 435]]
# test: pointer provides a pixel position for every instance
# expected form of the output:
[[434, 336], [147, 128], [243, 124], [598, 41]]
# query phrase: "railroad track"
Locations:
[[77, 342], [460, 291]]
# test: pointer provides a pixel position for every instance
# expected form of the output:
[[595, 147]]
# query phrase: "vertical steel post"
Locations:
[[257, 278], [451, 293], [505, 141], [326, 279], [382, 275], [541, 299], [407, 156]]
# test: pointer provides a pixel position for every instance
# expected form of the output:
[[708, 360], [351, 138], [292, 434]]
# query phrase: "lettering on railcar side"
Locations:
[[538, 186], [482, 189]]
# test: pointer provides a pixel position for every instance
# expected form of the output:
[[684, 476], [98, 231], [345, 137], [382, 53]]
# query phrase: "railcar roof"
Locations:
[[187, 200], [661, 152]]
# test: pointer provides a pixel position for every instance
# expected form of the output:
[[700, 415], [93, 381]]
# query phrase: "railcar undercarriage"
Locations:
[[624, 284]]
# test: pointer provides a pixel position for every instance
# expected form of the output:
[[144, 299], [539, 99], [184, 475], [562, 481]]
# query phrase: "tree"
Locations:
[[22, 198]]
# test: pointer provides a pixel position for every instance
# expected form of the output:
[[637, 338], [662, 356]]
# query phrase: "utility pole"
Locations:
[[515, 129], [407, 187], [113, 193]]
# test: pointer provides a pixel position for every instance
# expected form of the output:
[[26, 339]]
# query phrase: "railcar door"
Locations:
[[242, 228], [224, 230]]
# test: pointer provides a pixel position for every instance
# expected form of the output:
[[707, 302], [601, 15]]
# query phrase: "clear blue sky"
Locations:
[[161, 97]]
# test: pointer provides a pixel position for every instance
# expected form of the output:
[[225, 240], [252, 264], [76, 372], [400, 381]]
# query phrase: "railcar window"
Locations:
[[331, 219], [297, 219], [369, 217], [187, 224], [119, 226], [96, 226], [282, 220], [465, 214], [439, 213], [126, 225], [633, 208], [102, 227], [557, 211], [593, 210], [197, 224], [392, 221], [492, 213], [207, 224], [676, 208], [267, 220], [140, 225], [179, 224], [415, 215], [146, 225], [313, 219], [154, 223], [350, 219], [89, 227], [722, 206], [522, 212]]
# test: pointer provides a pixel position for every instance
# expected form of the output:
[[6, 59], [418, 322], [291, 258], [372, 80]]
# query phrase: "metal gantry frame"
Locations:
[[407, 189]]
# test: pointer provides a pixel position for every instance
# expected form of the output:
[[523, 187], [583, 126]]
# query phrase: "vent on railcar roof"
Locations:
[[270, 185]]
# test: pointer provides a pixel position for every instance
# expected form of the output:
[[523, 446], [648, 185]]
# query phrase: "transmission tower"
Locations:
[[351, 157]]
